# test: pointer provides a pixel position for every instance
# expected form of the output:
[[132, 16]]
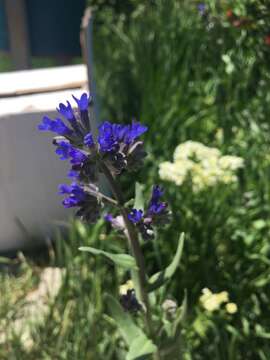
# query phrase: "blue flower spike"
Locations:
[[83, 104], [118, 148]]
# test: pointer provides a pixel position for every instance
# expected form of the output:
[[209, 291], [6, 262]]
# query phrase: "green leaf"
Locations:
[[139, 200], [140, 348], [161, 277], [127, 327], [123, 260], [261, 332], [5, 260], [139, 345], [180, 316]]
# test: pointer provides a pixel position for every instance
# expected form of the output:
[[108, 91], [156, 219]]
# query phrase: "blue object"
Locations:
[[135, 216], [112, 135], [57, 126], [54, 26], [3, 28], [77, 195]]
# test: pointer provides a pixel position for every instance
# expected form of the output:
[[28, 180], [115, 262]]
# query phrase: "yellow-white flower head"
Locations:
[[123, 289], [232, 163], [231, 308], [211, 301], [205, 166]]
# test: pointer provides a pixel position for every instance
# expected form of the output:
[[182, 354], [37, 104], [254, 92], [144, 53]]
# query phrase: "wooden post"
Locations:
[[86, 38], [18, 33]]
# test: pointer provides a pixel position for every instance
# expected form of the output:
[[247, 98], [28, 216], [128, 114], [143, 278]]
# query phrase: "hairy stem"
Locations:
[[104, 197], [134, 244]]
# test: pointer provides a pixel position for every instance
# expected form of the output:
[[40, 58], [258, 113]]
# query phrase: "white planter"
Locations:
[[30, 171]]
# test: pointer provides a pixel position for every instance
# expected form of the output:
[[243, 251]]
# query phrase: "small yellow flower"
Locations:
[[123, 289], [231, 308], [223, 296], [220, 135], [211, 301]]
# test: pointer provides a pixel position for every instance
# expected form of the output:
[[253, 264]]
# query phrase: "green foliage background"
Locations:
[[188, 77]]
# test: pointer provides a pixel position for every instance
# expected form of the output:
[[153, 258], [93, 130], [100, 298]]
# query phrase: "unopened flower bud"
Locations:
[[169, 306]]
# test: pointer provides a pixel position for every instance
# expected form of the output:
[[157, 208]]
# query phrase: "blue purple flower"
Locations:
[[155, 207], [83, 101], [117, 144], [73, 174], [77, 156], [108, 217], [201, 8], [57, 126], [66, 111], [76, 194], [135, 216], [83, 104], [133, 131], [63, 148], [106, 138], [67, 151], [88, 140], [156, 214], [157, 193], [112, 135], [84, 167], [117, 148]]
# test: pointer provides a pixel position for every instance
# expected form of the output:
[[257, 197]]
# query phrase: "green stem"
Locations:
[[103, 197], [134, 244]]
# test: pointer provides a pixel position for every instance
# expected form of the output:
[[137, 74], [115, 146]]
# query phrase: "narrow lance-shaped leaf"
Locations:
[[4, 260], [124, 321], [160, 278], [139, 344], [180, 316], [140, 348], [139, 200], [123, 260]]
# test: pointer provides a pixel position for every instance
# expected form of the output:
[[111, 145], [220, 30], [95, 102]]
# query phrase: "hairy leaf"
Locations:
[[123, 260], [138, 343], [159, 279]]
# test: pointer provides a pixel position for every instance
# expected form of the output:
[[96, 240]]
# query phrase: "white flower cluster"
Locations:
[[205, 166]]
